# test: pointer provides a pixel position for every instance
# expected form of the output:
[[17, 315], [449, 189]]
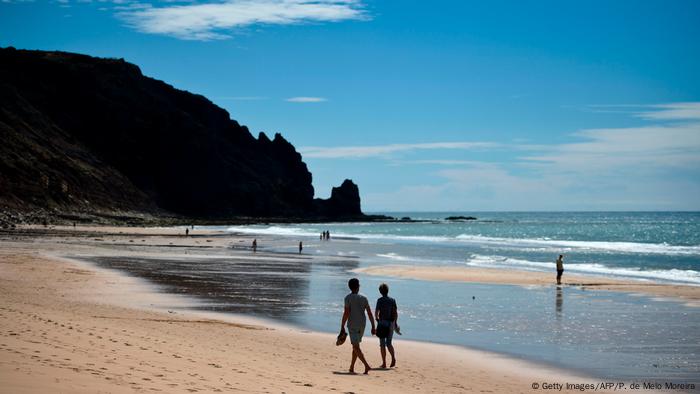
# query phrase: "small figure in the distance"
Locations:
[[560, 268], [301, 247], [187, 232], [255, 245]]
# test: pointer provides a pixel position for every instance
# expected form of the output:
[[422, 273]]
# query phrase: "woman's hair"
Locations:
[[384, 289]]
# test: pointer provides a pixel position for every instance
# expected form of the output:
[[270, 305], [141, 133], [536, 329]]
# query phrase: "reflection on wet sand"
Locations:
[[559, 302], [273, 287]]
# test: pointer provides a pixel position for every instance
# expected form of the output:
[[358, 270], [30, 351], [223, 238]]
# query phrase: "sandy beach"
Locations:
[[689, 294], [69, 328]]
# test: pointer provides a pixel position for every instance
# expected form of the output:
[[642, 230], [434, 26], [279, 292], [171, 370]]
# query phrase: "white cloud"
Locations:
[[652, 166], [654, 146], [382, 150], [304, 99], [669, 111], [675, 111], [216, 20]]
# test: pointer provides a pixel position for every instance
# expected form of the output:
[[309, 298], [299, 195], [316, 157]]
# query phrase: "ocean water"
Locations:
[[604, 334], [654, 246]]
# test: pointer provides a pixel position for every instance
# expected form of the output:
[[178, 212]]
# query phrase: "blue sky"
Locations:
[[441, 105]]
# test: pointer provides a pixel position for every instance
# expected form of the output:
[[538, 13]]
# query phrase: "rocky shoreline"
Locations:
[[10, 219]]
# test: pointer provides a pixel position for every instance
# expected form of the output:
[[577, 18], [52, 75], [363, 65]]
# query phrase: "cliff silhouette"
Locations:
[[86, 134]]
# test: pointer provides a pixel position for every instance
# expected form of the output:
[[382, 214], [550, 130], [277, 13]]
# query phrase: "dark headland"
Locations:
[[94, 140]]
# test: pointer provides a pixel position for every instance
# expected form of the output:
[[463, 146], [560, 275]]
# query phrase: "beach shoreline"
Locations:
[[688, 294], [87, 330]]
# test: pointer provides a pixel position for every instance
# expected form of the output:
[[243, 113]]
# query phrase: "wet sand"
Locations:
[[66, 326], [690, 294]]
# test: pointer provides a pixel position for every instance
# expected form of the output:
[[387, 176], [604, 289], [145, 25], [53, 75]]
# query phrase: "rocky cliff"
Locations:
[[84, 133]]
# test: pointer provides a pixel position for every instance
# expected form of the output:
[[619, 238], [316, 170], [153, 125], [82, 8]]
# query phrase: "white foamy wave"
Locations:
[[623, 247], [393, 256], [297, 231], [523, 244], [272, 230], [672, 275]]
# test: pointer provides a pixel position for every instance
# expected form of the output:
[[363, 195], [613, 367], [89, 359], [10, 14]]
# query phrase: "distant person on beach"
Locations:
[[356, 305], [560, 268], [387, 313], [187, 232], [301, 247], [255, 245], [328, 235]]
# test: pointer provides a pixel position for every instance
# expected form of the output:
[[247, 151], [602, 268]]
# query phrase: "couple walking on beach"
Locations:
[[356, 306]]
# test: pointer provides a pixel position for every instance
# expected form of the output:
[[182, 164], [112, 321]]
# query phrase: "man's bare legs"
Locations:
[[354, 358], [357, 353], [393, 357], [383, 350]]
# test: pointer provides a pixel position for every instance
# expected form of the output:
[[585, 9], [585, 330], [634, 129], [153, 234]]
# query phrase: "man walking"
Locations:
[[356, 305]]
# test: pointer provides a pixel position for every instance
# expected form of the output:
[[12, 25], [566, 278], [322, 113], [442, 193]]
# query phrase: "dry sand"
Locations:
[[689, 294], [68, 328]]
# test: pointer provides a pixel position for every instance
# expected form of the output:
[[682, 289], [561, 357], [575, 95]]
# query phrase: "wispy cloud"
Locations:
[[382, 150], [241, 98], [442, 162], [655, 165], [675, 111], [216, 20], [304, 99], [635, 147], [669, 111], [672, 141]]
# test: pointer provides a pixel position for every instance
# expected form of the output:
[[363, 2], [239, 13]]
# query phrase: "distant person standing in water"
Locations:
[[386, 313], [356, 305], [301, 247], [255, 245], [560, 268]]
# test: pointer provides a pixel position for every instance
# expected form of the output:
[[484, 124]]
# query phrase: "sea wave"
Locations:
[[272, 230], [393, 256], [622, 247], [671, 275], [523, 244], [298, 231]]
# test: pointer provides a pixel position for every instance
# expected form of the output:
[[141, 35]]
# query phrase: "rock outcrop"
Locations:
[[82, 133], [344, 202]]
